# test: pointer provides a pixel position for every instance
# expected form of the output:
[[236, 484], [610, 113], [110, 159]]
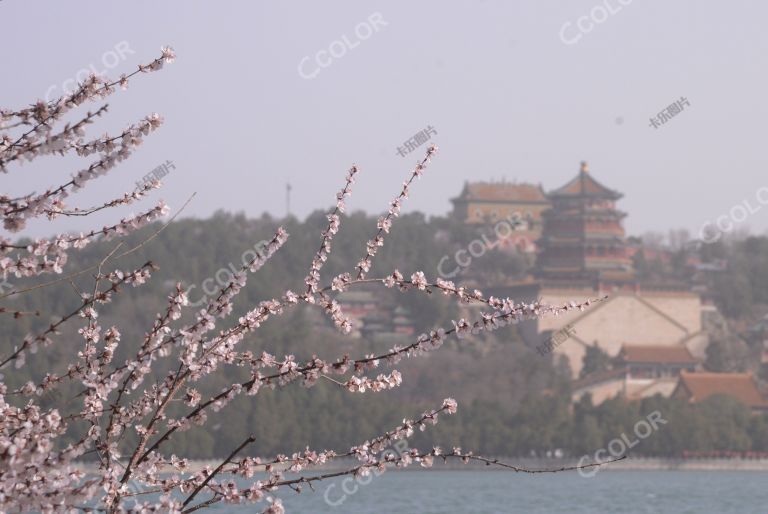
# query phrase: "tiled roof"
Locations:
[[739, 386], [677, 354], [585, 185], [502, 192]]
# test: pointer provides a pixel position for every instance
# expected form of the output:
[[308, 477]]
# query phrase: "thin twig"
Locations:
[[95, 266]]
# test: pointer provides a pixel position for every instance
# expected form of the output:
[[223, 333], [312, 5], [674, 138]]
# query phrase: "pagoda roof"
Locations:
[[502, 192], [585, 185]]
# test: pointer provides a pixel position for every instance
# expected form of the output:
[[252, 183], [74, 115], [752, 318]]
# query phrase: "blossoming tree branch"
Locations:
[[124, 405]]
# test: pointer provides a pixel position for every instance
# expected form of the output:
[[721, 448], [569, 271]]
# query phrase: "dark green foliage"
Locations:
[[595, 360], [511, 401], [745, 281]]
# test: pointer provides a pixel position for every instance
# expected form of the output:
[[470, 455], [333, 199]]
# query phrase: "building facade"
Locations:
[[696, 387], [583, 253], [487, 203]]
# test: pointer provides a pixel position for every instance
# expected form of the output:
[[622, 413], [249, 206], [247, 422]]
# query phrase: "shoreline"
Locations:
[[629, 464]]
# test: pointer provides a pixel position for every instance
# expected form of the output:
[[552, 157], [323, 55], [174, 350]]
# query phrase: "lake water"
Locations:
[[490, 492]]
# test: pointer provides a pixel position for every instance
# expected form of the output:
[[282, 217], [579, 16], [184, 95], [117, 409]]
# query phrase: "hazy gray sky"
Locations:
[[506, 95]]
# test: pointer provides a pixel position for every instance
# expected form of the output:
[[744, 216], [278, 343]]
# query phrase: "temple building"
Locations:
[[654, 334], [487, 203], [696, 387], [644, 362], [639, 371], [583, 253], [645, 371], [583, 239]]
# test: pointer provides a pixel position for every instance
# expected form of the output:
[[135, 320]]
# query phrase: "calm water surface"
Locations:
[[455, 492]]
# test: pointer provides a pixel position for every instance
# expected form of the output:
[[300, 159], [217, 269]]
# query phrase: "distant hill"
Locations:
[[512, 401]]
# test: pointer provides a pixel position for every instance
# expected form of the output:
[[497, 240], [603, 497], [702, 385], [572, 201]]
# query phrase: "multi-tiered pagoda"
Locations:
[[583, 240]]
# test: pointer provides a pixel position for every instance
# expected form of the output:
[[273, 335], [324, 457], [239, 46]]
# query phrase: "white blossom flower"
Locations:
[[168, 54], [419, 280], [449, 404]]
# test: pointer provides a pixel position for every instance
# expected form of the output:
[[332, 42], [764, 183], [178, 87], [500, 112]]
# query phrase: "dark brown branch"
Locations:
[[245, 443]]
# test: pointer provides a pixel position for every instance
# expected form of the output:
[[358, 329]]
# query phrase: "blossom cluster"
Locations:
[[313, 279], [50, 255], [40, 448], [41, 117], [385, 222]]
